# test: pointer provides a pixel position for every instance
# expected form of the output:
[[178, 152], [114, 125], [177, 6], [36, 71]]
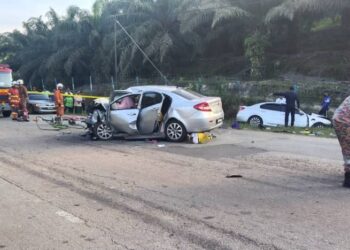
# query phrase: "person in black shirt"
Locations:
[[291, 100]]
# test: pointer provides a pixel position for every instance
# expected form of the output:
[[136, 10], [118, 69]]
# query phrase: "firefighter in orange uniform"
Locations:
[[14, 100], [59, 102], [23, 96]]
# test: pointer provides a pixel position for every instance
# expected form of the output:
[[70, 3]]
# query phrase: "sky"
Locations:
[[14, 12]]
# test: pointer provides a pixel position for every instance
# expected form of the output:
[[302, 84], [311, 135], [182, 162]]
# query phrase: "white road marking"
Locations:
[[69, 217]]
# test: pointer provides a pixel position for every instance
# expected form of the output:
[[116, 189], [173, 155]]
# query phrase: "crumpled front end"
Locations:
[[95, 117]]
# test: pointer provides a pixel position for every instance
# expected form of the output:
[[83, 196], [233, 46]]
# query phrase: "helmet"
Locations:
[[59, 86], [20, 82]]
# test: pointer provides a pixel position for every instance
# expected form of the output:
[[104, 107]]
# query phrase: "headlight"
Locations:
[[37, 105]]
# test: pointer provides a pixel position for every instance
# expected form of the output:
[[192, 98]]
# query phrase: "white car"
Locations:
[[273, 113]]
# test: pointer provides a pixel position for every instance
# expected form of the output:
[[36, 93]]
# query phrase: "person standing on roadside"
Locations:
[[59, 102], [68, 101], [78, 103], [14, 100], [23, 96], [291, 100], [341, 123], [326, 102]]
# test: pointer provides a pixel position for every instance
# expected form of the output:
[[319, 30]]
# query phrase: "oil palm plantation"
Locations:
[[290, 8], [156, 29]]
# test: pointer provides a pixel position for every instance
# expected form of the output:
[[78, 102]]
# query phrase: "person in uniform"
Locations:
[[341, 123], [59, 101], [14, 100], [23, 96]]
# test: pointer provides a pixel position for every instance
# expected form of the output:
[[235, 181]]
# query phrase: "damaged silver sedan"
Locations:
[[154, 112]]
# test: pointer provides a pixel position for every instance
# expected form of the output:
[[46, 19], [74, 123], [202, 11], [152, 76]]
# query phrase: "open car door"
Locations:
[[150, 108], [124, 113]]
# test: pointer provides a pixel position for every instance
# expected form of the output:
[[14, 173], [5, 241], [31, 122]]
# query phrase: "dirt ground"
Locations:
[[59, 190]]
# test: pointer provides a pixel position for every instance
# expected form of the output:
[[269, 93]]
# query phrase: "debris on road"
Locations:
[[201, 138], [234, 176], [74, 122]]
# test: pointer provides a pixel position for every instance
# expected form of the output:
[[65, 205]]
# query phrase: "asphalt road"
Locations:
[[59, 190]]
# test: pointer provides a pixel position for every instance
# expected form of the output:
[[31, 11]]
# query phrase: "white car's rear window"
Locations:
[[187, 94]]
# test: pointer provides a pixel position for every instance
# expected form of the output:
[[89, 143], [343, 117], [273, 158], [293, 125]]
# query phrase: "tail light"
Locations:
[[241, 108], [203, 106]]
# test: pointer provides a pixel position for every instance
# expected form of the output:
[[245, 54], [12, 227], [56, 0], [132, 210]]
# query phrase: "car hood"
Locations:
[[319, 118], [313, 115]]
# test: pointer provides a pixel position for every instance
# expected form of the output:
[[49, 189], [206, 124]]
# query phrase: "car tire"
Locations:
[[6, 113], [175, 131], [255, 121], [318, 125], [102, 131]]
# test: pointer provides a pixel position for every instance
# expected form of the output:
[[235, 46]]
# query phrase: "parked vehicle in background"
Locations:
[[155, 112], [40, 103], [273, 113], [5, 84]]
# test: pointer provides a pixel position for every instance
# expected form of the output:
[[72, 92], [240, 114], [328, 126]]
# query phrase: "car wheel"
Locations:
[[318, 125], [175, 131], [6, 113], [255, 121], [102, 131]]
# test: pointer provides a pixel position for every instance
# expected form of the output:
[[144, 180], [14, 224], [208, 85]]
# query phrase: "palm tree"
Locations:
[[293, 10], [156, 28], [211, 12], [290, 8], [31, 49]]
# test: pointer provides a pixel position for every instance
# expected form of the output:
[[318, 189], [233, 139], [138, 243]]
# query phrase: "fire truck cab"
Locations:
[[5, 84]]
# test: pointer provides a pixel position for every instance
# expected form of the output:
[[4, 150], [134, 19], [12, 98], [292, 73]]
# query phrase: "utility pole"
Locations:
[[140, 49]]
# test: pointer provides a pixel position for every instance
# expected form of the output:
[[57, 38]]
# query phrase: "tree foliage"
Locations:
[[179, 36]]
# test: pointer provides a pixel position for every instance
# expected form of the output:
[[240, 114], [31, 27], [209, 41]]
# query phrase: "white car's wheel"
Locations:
[[255, 121], [103, 131], [175, 131]]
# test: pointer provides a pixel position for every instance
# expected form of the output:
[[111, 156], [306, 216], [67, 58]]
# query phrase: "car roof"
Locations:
[[276, 103], [152, 88]]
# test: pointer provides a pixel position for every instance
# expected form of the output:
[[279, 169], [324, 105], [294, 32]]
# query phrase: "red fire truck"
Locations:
[[5, 84]]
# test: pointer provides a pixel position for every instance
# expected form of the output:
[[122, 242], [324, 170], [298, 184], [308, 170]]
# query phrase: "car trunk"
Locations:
[[214, 104]]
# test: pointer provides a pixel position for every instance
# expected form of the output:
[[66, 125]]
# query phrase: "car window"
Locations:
[[150, 99], [116, 94], [274, 107], [39, 97], [126, 102], [187, 94]]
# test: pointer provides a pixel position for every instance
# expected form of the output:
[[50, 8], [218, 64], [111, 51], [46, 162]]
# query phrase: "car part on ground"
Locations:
[[55, 123]]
